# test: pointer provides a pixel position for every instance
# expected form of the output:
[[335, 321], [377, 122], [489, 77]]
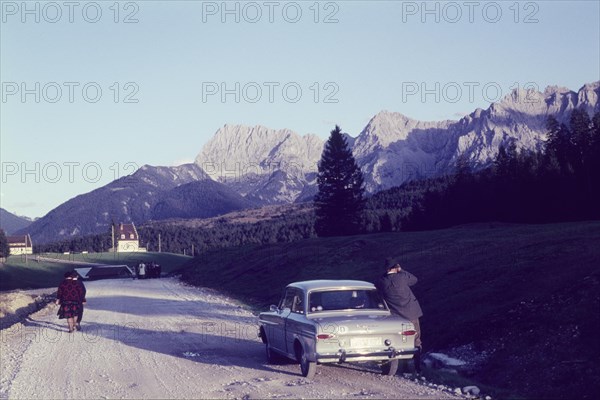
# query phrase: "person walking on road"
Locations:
[[394, 287], [70, 296]]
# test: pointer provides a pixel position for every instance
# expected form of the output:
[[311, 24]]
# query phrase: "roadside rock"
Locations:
[[472, 390]]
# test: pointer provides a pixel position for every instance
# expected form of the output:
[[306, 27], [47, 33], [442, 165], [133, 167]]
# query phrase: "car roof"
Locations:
[[324, 284]]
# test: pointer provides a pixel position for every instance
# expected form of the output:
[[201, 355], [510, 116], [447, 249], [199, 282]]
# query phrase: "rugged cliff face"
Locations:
[[265, 165], [273, 166], [394, 148]]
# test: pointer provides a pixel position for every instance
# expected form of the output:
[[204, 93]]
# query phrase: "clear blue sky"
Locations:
[[179, 55]]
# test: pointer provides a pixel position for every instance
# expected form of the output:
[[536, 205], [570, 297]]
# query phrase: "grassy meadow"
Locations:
[[20, 272]]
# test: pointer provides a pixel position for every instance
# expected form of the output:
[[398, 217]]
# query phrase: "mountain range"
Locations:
[[243, 167], [11, 223]]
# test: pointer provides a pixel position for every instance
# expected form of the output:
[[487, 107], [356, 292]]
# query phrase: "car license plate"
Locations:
[[365, 342]]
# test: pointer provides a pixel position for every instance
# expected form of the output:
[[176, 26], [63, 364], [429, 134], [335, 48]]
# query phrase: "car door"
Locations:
[[277, 337], [296, 319]]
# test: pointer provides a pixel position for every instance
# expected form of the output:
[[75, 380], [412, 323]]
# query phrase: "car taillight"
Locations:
[[409, 333], [323, 336]]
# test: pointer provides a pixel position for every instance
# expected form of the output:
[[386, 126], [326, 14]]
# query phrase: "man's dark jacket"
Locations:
[[396, 292]]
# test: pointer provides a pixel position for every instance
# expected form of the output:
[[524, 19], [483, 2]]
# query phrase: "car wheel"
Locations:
[[389, 367], [308, 368]]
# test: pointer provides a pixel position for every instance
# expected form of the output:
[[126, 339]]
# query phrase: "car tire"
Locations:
[[389, 368], [308, 368]]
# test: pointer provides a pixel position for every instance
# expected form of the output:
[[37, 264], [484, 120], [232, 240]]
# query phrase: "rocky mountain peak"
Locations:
[[386, 128], [588, 96], [161, 177], [251, 160], [554, 89], [236, 151]]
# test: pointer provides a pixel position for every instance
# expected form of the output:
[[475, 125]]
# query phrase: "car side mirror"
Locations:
[[273, 308]]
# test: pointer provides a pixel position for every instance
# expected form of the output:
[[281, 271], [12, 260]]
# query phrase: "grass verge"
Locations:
[[20, 272]]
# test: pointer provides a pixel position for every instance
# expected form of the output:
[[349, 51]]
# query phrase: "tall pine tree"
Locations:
[[340, 201], [559, 147], [4, 248]]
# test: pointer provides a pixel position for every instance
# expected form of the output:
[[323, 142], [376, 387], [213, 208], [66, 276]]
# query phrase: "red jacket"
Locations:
[[70, 290]]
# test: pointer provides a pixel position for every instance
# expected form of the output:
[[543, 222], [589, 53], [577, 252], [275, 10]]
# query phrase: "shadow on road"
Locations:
[[233, 347], [204, 309], [30, 322]]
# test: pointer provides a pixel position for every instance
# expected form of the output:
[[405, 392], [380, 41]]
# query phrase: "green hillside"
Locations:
[[529, 295], [31, 272]]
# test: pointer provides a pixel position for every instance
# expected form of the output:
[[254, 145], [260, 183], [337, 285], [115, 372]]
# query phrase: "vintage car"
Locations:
[[335, 321]]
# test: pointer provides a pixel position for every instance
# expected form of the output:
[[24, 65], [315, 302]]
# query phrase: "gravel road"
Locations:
[[159, 338]]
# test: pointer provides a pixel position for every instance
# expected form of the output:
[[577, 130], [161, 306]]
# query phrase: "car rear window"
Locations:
[[331, 300]]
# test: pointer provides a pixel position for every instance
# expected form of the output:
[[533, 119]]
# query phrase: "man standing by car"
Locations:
[[394, 287]]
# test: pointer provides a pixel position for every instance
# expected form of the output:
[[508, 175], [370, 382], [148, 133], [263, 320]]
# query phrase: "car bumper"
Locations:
[[345, 356]]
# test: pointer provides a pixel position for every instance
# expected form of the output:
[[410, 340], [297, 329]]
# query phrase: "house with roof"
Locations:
[[20, 244], [127, 239]]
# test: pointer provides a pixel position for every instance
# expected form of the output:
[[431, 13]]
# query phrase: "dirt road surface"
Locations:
[[151, 339]]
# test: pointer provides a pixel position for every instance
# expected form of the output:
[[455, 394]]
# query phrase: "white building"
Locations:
[[127, 239], [20, 244]]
